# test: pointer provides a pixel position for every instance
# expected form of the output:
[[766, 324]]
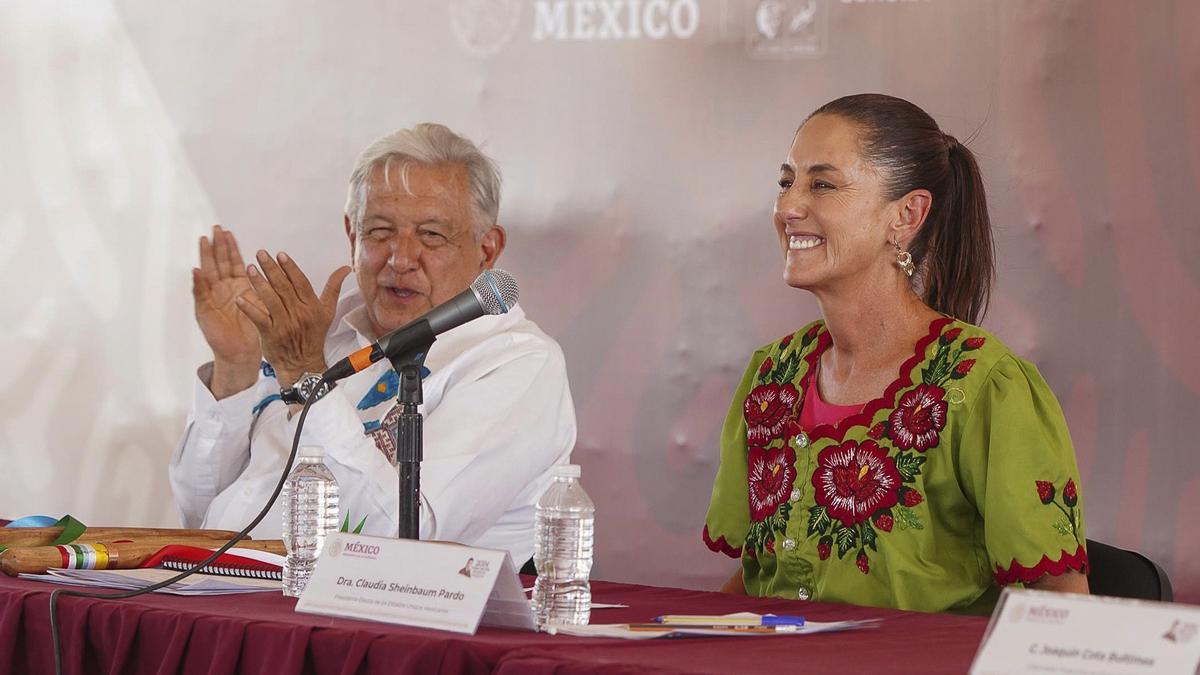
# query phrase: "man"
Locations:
[[421, 221]]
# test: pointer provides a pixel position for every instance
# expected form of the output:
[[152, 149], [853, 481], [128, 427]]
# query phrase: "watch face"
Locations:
[[307, 386]]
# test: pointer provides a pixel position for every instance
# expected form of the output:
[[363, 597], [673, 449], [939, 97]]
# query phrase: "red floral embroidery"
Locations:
[[884, 522], [1070, 496], [720, 545], [1018, 573], [1045, 491], [862, 493], [852, 481], [1069, 526], [772, 474], [766, 410], [792, 429], [919, 417]]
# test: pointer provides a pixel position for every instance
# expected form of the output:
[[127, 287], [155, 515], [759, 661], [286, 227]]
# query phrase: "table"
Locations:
[[260, 633]]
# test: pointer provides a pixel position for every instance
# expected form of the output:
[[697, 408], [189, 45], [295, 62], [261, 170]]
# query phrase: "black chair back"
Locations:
[[528, 568], [1126, 574]]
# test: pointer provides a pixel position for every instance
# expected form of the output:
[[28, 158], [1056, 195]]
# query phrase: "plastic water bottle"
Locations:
[[310, 511], [564, 524]]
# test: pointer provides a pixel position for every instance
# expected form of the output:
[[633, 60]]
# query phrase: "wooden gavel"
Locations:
[[113, 554], [45, 536]]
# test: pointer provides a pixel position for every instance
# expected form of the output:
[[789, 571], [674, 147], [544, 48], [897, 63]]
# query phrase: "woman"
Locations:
[[892, 453]]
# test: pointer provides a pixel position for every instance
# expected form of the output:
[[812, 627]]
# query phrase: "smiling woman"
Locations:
[[892, 453]]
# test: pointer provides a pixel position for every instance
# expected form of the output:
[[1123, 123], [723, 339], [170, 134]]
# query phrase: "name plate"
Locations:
[[416, 583], [1042, 632]]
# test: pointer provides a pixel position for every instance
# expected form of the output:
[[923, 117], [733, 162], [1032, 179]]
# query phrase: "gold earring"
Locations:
[[904, 260]]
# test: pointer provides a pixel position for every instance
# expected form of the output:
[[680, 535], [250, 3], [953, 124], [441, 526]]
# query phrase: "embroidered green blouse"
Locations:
[[960, 479]]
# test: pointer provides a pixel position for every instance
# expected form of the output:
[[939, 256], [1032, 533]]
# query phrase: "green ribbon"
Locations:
[[72, 530]]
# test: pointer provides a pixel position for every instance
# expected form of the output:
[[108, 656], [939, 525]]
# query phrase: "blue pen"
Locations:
[[782, 621]]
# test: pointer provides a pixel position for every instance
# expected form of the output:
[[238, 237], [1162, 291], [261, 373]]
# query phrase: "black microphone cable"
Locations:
[[287, 469]]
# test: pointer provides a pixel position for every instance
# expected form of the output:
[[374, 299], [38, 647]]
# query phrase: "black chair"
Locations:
[[1126, 574]]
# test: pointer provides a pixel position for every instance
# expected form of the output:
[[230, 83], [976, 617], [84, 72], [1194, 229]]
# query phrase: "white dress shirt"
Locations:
[[498, 418]]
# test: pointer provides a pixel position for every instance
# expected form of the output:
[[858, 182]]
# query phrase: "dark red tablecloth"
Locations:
[[260, 633]]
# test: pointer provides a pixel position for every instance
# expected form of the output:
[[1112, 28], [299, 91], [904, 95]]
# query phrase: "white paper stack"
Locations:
[[197, 584]]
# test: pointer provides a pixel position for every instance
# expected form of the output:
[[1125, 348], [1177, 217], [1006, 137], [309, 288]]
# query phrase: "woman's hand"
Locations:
[[1067, 582], [735, 585]]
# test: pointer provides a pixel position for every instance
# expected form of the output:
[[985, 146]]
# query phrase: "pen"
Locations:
[[735, 628], [693, 619]]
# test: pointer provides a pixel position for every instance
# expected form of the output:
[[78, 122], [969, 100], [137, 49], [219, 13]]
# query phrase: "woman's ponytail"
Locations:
[[960, 254]]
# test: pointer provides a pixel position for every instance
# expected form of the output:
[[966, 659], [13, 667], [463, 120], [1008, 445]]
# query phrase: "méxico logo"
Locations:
[[484, 27], [615, 19]]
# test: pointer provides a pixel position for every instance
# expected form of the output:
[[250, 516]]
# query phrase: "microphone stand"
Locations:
[[406, 431]]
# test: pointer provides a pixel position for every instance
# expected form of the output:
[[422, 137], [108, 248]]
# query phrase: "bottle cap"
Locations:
[[567, 470], [314, 451]]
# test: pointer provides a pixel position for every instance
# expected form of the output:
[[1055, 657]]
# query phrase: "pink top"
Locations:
[[817, 412]]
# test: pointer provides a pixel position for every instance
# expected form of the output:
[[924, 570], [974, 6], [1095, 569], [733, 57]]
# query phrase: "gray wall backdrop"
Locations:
[[640, 141]]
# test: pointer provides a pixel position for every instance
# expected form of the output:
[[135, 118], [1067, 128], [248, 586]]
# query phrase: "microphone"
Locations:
[[492, 292]]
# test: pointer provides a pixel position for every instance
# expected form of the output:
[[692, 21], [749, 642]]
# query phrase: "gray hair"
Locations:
[[426, 144]]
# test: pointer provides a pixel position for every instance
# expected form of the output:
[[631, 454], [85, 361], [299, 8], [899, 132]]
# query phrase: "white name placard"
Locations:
[[1042, 632], [416, 583]]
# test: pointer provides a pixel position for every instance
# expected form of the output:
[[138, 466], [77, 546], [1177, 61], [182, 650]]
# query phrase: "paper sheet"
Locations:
[[197, 584]]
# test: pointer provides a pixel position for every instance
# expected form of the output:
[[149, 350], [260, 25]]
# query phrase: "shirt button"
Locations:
[[795, 494], [789, 544], [803, 593], [247, 492]]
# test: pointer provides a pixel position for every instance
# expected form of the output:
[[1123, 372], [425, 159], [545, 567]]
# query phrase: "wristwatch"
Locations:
[[306, 388]]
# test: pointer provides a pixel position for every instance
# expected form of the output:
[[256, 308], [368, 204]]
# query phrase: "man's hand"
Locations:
[[291, 320], [216, 285]]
